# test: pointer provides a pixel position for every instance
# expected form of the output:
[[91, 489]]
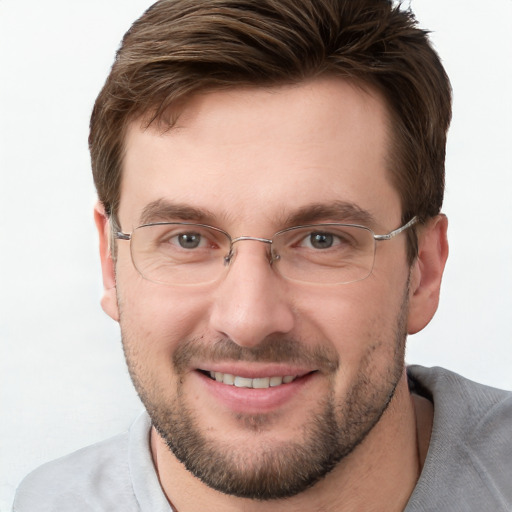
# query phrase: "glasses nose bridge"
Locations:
[[229, 257], [253, 238]]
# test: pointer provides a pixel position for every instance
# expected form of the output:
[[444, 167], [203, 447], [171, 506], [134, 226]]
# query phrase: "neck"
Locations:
[[381, 472]]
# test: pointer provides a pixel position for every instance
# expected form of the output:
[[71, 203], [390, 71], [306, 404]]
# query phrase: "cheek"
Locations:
[[358, 320], [156, 317], [154, 320]]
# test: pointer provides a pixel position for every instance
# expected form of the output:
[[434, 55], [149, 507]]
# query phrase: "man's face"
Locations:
[[248, 160]]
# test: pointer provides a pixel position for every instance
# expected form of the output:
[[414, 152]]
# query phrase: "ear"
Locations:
[[427, 272], [109, 299]]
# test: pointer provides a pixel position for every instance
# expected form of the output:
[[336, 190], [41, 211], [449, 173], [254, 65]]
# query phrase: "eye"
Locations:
[[334, 239], [189, 240], [321, 240], [194, 239], [181, 242]]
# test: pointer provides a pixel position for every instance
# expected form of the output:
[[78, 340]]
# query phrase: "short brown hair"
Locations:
[[180, 47]]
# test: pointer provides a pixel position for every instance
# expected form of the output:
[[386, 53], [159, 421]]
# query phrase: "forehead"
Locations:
[[265, 152]]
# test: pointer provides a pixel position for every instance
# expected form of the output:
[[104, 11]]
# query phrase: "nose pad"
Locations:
[[231, 254], [229, 257], [272, 256]]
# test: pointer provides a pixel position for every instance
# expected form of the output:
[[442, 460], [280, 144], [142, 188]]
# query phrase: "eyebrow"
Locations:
[[163, 210], [336, 211]]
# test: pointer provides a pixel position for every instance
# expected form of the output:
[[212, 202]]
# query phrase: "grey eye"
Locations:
[[189, 240], [321, 240]]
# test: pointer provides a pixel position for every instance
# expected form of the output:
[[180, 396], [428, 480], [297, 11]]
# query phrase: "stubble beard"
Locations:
[[275, 470]]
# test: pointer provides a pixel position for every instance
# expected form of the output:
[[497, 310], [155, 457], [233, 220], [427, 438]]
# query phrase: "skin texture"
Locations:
[[345, 437]]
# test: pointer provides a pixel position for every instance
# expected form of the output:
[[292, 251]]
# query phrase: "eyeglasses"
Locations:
[[182, 253]]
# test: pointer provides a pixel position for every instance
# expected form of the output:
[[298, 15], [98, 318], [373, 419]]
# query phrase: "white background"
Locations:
[[63, 383]]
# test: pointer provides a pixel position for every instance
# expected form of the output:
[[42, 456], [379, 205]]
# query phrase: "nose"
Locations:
[[251, 302]]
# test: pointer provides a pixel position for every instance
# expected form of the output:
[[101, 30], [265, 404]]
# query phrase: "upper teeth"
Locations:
[[244, 382]]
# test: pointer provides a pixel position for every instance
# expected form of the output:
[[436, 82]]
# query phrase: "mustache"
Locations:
[[273, 349]]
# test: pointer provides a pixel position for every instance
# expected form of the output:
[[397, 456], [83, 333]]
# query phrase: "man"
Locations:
[[270, 179]]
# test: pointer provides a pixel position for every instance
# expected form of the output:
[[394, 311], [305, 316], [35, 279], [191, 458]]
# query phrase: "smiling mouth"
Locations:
[[245, 382]]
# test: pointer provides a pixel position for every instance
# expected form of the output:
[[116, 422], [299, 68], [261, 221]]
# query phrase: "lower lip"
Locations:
[[254, 401]]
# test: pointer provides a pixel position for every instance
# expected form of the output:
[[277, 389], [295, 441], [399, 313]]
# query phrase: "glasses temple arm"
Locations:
[[397, 231], [122, 236]]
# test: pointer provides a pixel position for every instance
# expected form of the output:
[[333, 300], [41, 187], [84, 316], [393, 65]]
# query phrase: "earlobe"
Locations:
[[109, 299], [427, 272]]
